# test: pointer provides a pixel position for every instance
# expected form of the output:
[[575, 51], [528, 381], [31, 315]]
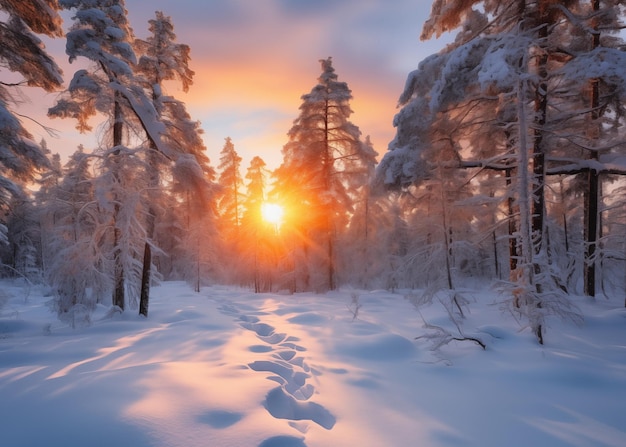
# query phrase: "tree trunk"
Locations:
[[591, 232], [118, 269], [513, 242], [592, 194], [447, 231], [144, 298], [331, 262], [496, 261], [526, 218], [539, 165], [328, 165], [366, 252], [146, 273]]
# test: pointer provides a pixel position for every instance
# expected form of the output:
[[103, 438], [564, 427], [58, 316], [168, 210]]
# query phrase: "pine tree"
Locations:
[[49, 183], [101, 33], [23, 54], [196, 190], [230, 210], [77, 243], [162, 59], [21, 253], [258, 237], [514, 70], [321, 164], [360, 242], [230, 181]]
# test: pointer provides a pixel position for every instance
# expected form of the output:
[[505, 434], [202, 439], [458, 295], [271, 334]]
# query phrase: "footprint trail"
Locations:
[[282, 358]]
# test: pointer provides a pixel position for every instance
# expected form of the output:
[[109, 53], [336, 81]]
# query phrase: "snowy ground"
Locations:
[[229, 368]]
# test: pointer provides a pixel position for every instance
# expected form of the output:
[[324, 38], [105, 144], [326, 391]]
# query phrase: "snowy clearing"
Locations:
[[230, 368]]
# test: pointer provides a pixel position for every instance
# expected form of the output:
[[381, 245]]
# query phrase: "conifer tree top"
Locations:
[[328, 72]]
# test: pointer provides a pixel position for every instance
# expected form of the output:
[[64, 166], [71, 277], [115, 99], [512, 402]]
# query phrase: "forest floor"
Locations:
[[229, 368]]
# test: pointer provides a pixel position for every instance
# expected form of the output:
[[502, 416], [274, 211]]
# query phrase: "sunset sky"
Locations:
[[254, 60]]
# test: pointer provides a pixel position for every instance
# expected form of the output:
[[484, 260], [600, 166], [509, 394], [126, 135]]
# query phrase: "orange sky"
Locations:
[[253, 61]]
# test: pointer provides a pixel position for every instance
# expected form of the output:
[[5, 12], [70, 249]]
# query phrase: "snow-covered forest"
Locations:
[[507, 166], [506, 174]]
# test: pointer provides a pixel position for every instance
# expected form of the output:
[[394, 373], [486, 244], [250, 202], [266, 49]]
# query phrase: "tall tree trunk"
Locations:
[[526, 218], [512, 227], [591, 231], [331, 262], [447, 232], [328, 166], [118, 269], [539, 165], [591, 197], [146, 273], [144, 299]]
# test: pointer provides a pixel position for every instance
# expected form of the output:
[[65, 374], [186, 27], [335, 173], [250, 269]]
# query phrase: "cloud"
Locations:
[[307, 8], [255, 59]]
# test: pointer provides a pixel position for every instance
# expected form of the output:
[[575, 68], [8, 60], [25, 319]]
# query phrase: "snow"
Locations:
[[603, 63], [226, 367]]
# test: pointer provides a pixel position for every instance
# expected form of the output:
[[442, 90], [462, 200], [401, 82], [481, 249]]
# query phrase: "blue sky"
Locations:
[[254, 59]]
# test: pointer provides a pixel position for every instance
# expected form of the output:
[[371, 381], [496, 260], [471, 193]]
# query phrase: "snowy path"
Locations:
[[229, 368]]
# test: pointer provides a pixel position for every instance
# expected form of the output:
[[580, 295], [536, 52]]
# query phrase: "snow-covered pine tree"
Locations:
[[322, 159], [27, 63], [20, 256], [231, 198], [360, 245], [78, 244], [230, 208], [101, 33], [195, 254], [256, 188], [163, 59], [524, 61], [48, 187], [259, 239], [593, 69]]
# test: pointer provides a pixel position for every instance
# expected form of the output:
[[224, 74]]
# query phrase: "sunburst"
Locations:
[[272, 213]]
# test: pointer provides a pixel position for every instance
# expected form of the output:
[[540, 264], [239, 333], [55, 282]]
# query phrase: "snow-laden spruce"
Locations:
[[147, 134], [539, 84], [26, 62]]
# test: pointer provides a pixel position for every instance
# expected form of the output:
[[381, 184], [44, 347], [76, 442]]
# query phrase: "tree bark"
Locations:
[[539, 165], [593, 183], [144, 298], [146, 273], [118, 269], [512, 227], [328, 165]]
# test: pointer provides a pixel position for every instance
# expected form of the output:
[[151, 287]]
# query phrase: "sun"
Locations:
[[272, 213]]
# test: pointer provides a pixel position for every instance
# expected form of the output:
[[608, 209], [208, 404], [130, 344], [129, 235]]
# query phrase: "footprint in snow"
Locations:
[[283, 406], [261, 329], [220, 419], [290, 400], [283, 441]]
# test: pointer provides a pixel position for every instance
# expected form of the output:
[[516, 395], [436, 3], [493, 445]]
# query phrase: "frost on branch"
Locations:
[[602, 63], [446, 15], [189, 175], [442, 80], [85, 82]]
